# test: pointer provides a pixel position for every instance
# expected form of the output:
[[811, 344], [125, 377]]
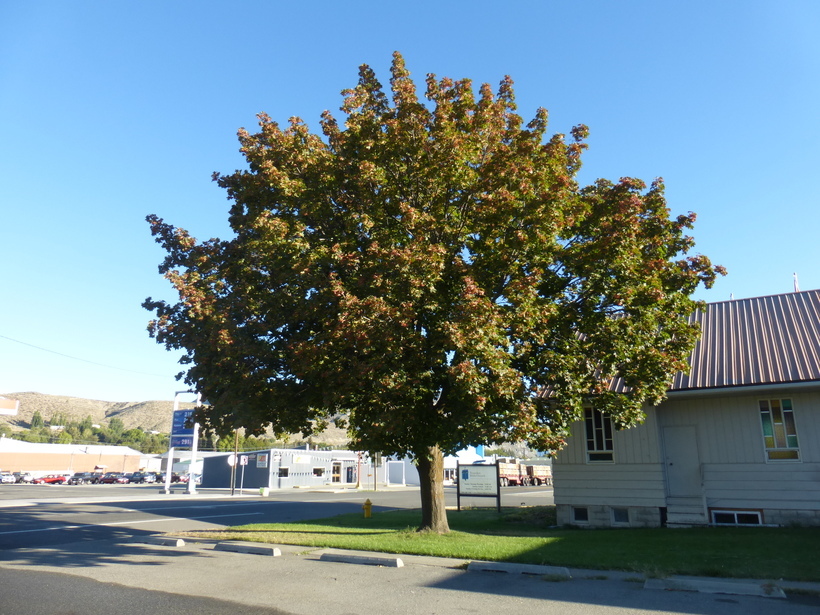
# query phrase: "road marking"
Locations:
[[77, 527]]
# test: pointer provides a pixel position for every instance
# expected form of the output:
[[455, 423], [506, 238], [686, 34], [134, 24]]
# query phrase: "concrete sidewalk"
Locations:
[[769, 588], [306, 581]]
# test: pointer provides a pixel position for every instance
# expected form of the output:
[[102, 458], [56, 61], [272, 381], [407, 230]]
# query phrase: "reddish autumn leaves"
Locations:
[[428, 269]]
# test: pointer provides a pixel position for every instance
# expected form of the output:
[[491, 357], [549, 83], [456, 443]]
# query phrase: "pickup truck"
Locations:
[[142, 477]]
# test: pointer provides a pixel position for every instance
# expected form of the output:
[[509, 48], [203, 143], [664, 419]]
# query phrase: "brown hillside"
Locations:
[[148, 415]]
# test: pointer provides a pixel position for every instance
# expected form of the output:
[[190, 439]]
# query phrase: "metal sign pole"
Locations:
[[169, 464], [458, 486], [191, 474], [498, 487]]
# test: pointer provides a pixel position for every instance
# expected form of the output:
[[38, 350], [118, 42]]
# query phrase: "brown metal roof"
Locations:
[[762, 340]]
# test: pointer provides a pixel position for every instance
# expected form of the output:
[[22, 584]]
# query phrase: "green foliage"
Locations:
[[116, 427], [64, 437], [152, 444], [433, 270], [58, 419], [37, 420], [86, 424], [31, 435], [430, 271]]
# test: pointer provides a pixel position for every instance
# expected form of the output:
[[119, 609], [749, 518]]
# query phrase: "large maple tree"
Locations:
[[432, 271]]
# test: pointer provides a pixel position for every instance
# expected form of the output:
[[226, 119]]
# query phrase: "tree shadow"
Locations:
[[89, 536]]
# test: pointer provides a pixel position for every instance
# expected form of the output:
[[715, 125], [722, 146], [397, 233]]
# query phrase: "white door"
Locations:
[[682, 461]]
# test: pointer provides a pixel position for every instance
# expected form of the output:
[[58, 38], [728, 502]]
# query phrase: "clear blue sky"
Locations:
[[110, 111]]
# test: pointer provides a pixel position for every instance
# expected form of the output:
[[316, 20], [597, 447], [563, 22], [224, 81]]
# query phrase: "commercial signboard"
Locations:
[[478, 480], [182, 429]]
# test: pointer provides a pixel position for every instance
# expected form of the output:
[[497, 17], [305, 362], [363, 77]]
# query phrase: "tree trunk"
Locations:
[[431, 475]]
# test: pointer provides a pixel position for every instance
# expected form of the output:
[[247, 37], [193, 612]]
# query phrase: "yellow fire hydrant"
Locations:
[[367, 507]]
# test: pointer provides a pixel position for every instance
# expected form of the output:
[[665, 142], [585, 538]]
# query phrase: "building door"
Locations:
[[336, 472], [683, 475]]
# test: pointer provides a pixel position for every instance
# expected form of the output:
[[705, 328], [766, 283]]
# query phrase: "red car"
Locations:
[[113, 478], [50, 479]]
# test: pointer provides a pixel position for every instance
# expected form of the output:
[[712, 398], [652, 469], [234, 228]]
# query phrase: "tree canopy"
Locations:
[[432, 270]]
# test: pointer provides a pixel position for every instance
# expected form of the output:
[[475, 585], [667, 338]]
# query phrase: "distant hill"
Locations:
[[148, 415]]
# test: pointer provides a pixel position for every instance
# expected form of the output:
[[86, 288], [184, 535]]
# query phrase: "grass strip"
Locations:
[[528, 536]]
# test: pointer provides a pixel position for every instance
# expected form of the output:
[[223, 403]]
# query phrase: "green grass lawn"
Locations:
[[527, 536]]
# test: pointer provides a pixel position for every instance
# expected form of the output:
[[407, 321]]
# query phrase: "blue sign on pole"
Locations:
[[181, 434]]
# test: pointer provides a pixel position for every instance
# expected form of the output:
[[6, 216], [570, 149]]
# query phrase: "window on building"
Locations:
[[318, 471], [580, 514], [599, 435], [779, 429], [620, 516], [736, 517], [284, 472]]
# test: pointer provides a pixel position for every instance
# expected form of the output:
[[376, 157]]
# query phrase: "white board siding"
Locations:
[[634, 479], [784, 485], [636, 445], [807, 419], [610, 484], [729, 428], [736, 473]]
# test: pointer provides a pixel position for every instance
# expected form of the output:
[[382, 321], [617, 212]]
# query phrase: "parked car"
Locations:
[[50, 479], [23, 477], [113, 478], [7, 478], [84, 478], [142, 477]]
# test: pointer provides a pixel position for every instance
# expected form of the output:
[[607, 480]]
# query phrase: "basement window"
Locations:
[[580, 515], [620, 516], [736, 517]]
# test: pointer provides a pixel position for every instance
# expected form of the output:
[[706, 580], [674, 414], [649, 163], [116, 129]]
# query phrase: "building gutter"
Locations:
[[806, 385]]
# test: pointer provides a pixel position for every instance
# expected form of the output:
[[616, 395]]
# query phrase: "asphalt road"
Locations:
[[48, 515], [25, 592]]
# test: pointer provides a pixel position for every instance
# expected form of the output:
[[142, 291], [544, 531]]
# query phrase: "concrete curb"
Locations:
[[556, 572], [714, 586], [243, 547], [366, 560], [163, 541], [750, 587]]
